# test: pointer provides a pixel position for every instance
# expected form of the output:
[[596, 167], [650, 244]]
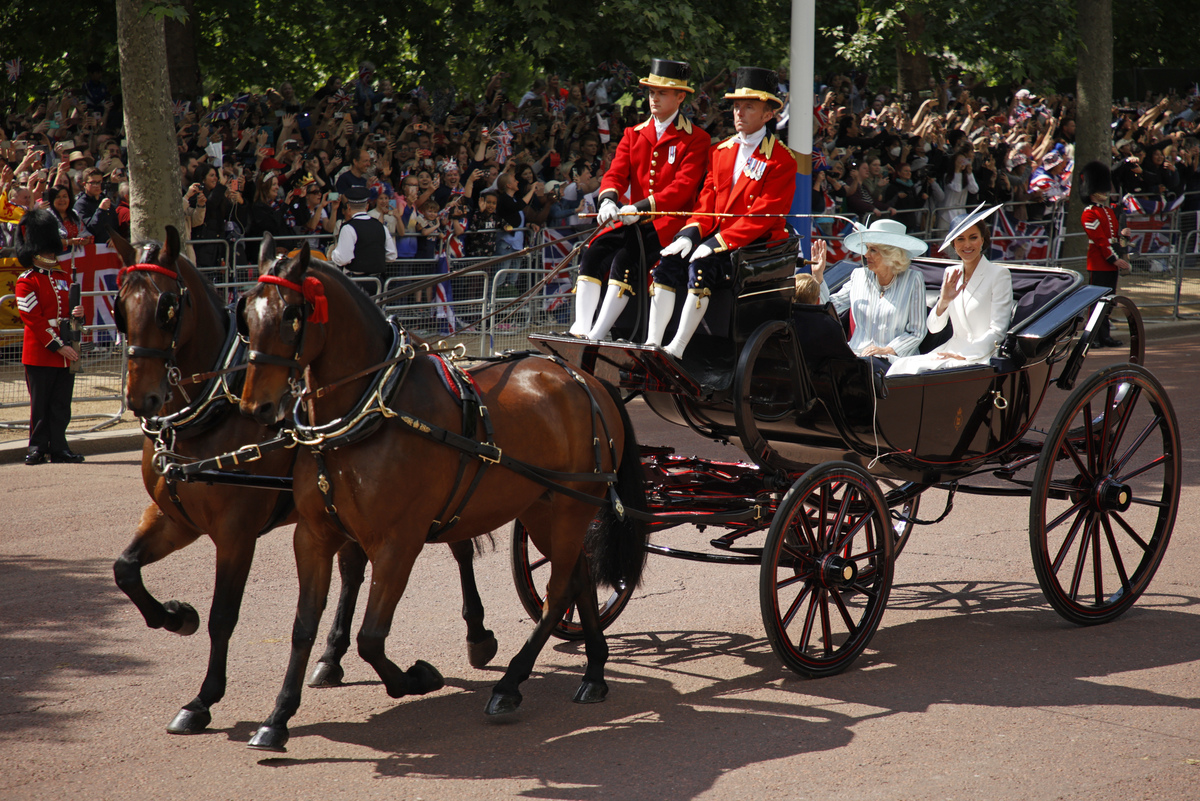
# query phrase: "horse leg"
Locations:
[[314, 567], [235, 553], [157, 536], [593, 689], [352, 565], [390, 572], [481, 643], [506, 695]]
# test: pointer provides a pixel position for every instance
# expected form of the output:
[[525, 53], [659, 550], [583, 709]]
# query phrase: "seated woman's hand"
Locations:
[[877, 350], [947, 355], [820, 258]]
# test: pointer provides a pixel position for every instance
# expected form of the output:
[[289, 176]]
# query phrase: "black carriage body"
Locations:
[[759, 377]]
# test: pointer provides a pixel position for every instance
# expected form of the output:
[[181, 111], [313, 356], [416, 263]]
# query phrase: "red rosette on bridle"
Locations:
[[312, 290]]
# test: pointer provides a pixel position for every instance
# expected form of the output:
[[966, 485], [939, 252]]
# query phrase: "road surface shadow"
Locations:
[[672, 726]]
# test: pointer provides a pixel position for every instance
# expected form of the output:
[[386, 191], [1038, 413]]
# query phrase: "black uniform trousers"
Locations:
[[619, 252], [50, 392]]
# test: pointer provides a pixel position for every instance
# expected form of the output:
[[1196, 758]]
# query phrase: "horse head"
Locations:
[[148, 310], [276, 318]]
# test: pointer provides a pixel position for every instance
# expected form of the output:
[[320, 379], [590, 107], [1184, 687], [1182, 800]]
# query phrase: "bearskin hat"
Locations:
[[37, 233], [1094, 178]]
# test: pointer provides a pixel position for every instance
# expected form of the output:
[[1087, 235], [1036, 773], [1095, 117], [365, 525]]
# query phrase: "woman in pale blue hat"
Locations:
[[886, 300]]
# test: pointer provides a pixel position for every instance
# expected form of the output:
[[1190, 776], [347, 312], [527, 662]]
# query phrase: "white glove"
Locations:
[[702, 252], [679, 247], [607, 214], [629, 214]]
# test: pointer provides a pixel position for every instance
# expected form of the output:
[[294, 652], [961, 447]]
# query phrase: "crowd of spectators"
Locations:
[[501, 161]]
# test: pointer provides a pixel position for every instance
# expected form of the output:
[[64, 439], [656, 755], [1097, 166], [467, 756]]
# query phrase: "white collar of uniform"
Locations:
[[661, 127], [364, 215], [753, 139]]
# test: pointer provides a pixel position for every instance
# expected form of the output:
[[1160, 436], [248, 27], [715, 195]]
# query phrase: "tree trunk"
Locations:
[[155, 199], [1093, 115], [912, 63], [182, 63]]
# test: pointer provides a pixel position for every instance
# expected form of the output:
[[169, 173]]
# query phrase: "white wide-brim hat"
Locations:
[[965, 221], [883, 232]]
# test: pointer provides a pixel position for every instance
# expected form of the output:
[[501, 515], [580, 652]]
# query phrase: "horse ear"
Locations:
[[171, 251], [295, 267], [123, 248], [266, 251], [305, 255], [266, 254]]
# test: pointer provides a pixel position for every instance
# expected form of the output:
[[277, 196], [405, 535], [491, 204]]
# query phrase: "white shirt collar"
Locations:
[[753, 139], [661, 127]]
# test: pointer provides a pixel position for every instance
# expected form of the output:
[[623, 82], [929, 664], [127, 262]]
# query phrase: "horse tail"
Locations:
[[617, 547]]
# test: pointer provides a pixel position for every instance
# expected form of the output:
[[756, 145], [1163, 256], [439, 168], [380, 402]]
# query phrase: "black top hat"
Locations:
[[1094, 178], [37, 233], [756, 83], [668, 75]]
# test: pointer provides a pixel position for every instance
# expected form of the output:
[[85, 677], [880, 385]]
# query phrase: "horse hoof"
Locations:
[[270, 738], [480, 653], [182, 618], [190, 721], [591, 692], [326, 674], [424, 678], [503, 704]]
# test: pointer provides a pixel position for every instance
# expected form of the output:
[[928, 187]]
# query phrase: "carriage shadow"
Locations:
[[675, 721], [55, 613]]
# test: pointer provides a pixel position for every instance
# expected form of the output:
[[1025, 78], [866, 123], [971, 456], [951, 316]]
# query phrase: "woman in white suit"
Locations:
[[976, 297]]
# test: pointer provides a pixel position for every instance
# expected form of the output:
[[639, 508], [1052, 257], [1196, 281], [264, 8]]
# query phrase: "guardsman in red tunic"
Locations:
[[1105, 253], [752, 173], [661, 163], [42, 293]]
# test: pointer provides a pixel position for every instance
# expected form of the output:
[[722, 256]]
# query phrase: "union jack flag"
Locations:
[[1017, 240], [443, 295], [519, 125], [557, 105], [14, 69], [558, 289], [181, 107], [818, 159], [239, 104], [820, 116], [835, 246]]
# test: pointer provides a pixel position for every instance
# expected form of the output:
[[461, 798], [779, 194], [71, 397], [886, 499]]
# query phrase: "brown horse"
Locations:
[[172, 318], [386, 490]]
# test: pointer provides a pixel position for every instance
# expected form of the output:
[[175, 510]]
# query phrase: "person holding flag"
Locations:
[[660, 163], [745, 199]]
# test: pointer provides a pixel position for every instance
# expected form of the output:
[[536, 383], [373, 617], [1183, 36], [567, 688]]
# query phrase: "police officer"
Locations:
[[751, 173], [661, 164], [364, 245], [42, 292]]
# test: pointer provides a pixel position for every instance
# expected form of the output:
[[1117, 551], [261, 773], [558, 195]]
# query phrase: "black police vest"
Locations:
[[370, 251]]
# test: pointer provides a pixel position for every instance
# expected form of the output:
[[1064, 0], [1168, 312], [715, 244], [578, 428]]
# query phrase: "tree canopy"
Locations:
[[252, 43]]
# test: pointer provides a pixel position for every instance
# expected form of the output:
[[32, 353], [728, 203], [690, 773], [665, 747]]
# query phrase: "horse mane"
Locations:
[[367, 310]]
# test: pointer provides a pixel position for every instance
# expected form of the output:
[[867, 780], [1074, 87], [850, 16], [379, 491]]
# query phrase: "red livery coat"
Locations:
[[42, 301], [662, 175], [1100, 225], [768, 191]]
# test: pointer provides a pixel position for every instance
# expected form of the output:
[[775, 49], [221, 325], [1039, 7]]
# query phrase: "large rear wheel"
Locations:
[[1105, 494], [826, 569], [531, 571]]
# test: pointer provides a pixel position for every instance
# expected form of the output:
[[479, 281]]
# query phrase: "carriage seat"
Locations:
[[823, 344]]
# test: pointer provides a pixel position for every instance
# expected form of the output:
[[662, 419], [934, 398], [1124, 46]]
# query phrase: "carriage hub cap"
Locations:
[[838, 572], [1114, 496]]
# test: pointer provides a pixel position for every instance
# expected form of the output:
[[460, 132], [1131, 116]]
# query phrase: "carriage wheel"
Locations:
[[826, 569], [531, 571], [1105, 494], [903, 525]]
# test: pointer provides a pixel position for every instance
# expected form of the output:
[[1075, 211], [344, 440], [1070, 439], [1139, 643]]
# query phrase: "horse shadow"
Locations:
[[686, 707], [48, 638]]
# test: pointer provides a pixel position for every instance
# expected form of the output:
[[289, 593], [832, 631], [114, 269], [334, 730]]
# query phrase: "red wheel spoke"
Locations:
[[791, 612], [826, 629], [1081, 559], [1149, 466], [1137, 443], [539, 563], [1087, 427], [806, 632], [1053, 524], [1118, 562], [1133, 535], [1084, 471], [1097, 575], [1066, 545], [1127, 414], [845, 613]]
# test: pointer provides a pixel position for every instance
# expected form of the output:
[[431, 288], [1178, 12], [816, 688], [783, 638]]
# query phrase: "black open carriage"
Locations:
[[839, 457]]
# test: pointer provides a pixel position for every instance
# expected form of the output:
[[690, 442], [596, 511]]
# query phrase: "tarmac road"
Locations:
[[973, 688]]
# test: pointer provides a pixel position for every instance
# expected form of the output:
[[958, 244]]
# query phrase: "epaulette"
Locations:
[[643, 125], [730, 142], [768, 145], [684, 124]]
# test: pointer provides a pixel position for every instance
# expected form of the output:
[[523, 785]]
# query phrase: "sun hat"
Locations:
[[883, 232], [965, 221]]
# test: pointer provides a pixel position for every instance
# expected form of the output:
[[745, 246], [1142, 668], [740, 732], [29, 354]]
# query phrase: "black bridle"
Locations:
[[293, 326], [168, 313]]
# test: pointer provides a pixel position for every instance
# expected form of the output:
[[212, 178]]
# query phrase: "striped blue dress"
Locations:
[[887, 316]]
